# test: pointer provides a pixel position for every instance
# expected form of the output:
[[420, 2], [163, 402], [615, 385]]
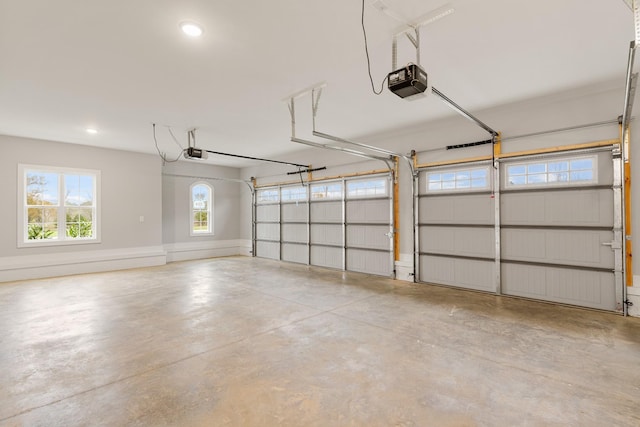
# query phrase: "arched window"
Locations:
[[201, 209]]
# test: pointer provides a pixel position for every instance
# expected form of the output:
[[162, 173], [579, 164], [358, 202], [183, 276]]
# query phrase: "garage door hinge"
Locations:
[[628, 302]]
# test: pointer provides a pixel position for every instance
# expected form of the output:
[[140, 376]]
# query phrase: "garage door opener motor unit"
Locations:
[[408, 81]]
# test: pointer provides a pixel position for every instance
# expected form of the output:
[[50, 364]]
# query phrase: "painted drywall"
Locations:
[[177, 179], [130, 188]]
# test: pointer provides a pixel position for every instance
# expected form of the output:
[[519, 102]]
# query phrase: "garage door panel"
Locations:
[[568, 247], [268, 249], [459, 272], [295, 253], [368, 236], [457, 209], [326, 212], [372, 262], [324, 256], [326, 234], [587, 208], [368, 211], [294, 233], [294, 212], [268, 213], [267, 231], [569, 286], [465, 241]]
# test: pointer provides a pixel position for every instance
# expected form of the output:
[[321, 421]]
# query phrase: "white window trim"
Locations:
[[459, 190], [547, 184], [22, 240], [385, 178], [210, 211]]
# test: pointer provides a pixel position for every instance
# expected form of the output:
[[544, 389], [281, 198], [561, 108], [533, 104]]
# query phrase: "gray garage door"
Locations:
[[456, 217], [559, 227], [344, 224], [559, 233]]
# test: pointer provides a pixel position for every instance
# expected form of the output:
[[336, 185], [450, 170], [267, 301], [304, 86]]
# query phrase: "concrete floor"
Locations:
[[253, 342]]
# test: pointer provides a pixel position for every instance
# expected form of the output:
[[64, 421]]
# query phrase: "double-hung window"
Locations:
[[57, 206]]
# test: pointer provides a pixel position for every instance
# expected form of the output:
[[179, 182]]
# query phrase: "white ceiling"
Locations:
[[118, 66]]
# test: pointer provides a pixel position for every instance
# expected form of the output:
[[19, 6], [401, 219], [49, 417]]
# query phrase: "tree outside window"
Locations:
[[59, 205]]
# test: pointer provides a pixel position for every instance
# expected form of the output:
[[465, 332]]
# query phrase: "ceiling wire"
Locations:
[[174, 138], [366, 50], [162, 155]]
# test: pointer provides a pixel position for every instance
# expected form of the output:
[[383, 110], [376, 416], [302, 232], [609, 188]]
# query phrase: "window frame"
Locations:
[[210, 211], [455, 171], [546, 161], [23, 240]]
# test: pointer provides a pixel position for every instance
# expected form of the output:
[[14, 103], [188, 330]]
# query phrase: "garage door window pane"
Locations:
[[558, 166], [582, 164], [555, 172], [367, 188], [460, 179], [449, 185], [267, 196], [326, 191], [517, 179], [536, 168], [517, 170], [581, 176], [290, 194]]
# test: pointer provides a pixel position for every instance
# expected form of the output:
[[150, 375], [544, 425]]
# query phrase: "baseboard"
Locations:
[[26, 267], [206, 249]]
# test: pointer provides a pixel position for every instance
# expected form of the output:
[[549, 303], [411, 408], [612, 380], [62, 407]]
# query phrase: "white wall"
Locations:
[[225, 240], [130, 188]]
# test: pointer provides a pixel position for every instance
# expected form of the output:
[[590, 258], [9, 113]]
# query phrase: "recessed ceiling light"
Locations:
[[92, 131], [191, 29]]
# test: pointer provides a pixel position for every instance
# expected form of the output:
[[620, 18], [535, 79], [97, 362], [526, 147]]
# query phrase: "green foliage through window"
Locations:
[[36, 231], [59, 204]]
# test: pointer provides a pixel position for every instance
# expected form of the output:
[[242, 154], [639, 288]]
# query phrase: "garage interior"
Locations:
[[292, 213]]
